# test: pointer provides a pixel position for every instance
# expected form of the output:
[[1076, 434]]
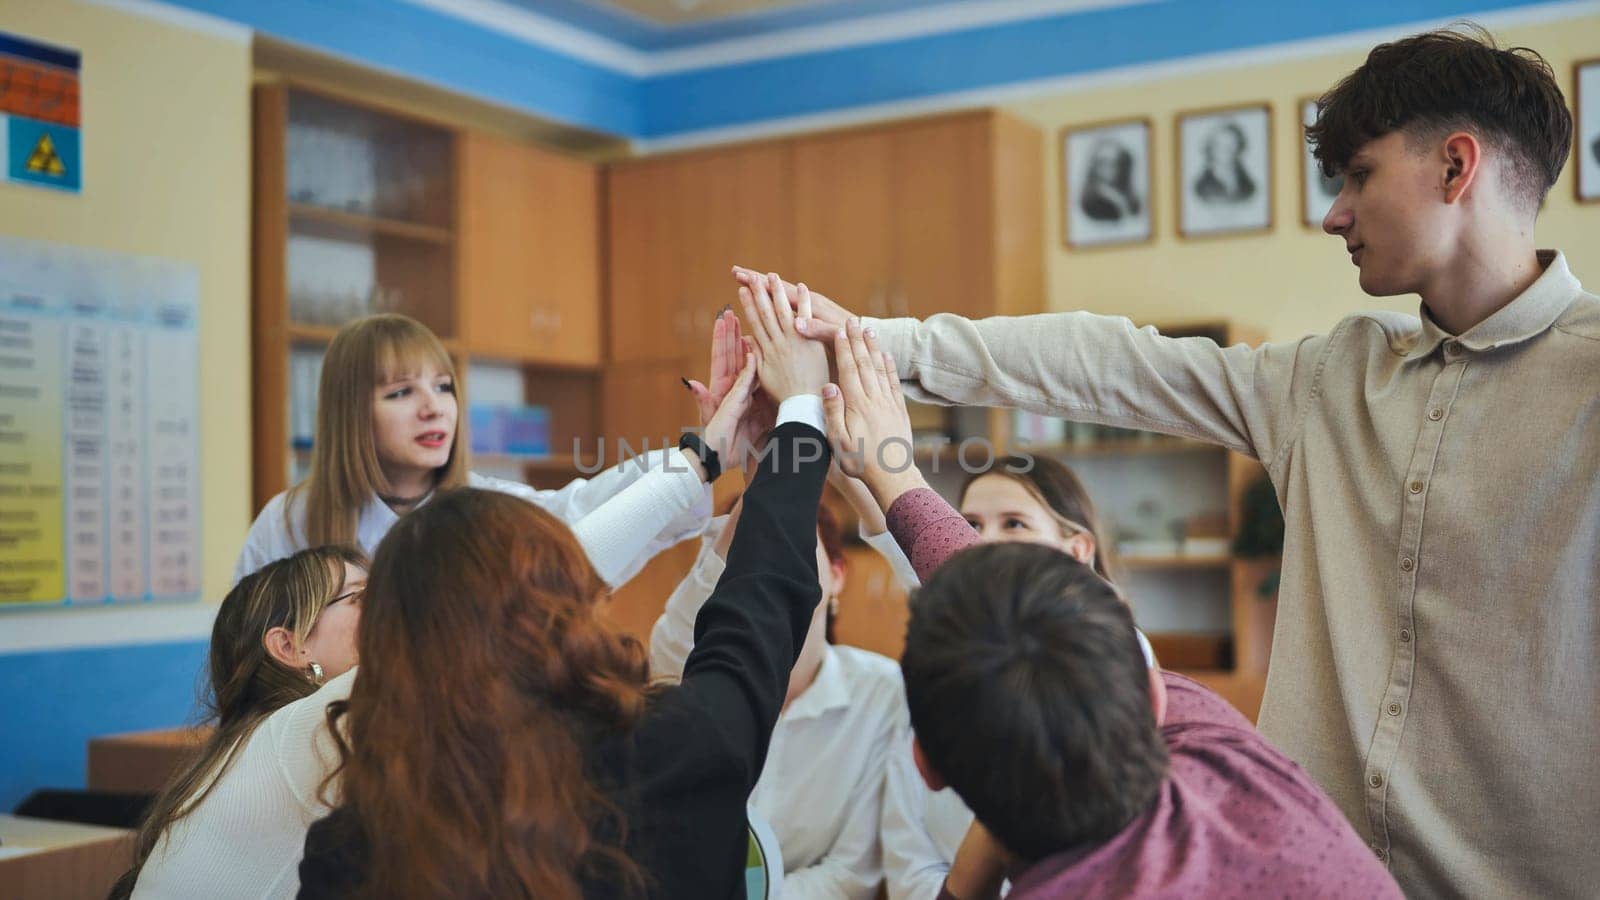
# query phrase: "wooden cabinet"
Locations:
[[677, 225], [938, 215], [845, 217], [529, 260]]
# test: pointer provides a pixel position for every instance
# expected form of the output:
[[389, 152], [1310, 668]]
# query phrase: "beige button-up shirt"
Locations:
[[1436, 665]]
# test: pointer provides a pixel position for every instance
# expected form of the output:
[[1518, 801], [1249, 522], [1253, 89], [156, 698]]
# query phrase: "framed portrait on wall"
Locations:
[[1586, 91], [1317, 191], [1106, 184], [1225, 170]]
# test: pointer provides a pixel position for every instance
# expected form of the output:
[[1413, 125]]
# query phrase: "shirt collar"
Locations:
[[376, 520], [1529, 315], [830, 689]]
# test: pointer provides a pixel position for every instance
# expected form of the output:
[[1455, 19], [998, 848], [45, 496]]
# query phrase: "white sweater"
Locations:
[[245, 839], [618, 541]]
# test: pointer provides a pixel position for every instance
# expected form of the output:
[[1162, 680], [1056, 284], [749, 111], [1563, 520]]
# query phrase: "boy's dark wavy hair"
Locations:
[[1431, 84]]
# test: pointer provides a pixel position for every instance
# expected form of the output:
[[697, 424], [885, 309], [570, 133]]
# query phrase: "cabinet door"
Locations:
[[566, 239], [528, 254], [736, 211], [647, 402], [844, 215], [647, 243], [943, 224]]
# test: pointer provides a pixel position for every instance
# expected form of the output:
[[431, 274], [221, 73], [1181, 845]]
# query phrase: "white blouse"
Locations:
[[246, 838], [615, 536], [822, 786]]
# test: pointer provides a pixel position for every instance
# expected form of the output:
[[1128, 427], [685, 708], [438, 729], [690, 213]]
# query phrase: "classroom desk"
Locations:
[[42, 859], [140, 762]]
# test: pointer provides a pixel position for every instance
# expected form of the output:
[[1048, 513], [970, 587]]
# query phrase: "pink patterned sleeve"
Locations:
[[928, 529]]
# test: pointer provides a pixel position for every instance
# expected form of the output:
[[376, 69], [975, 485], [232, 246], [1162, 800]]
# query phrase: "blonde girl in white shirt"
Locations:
[[389, 434]]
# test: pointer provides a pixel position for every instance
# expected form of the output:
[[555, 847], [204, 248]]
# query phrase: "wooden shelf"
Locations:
[[307, 216], [307, 333], [302, 333], [1161, 446], [1145, 563]]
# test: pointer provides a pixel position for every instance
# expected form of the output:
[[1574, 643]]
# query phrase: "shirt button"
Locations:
[[1394, 710], [1407, 564], [1436, 414], [1416, 487], [1405, 635], [1451, 348], [1378, 852], [1375, 780]]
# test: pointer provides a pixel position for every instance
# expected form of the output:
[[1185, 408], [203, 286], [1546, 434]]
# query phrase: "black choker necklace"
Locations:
[[404, 501]]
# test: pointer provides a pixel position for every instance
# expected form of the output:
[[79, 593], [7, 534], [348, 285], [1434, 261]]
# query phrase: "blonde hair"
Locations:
[[247, 683], [345, 473]]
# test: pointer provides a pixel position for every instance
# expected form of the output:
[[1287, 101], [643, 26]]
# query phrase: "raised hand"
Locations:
[[723, 426], [789, 365], [867, 420], [816, 316], [727, 360]]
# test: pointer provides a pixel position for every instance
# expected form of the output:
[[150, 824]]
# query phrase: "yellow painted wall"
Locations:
[[166, 156], [1293, 280]]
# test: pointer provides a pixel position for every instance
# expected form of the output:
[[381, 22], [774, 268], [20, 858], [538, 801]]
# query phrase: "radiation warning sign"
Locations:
[[39, 122]]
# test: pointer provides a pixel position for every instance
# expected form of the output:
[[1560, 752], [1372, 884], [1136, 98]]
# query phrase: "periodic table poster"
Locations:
[[99, 442]]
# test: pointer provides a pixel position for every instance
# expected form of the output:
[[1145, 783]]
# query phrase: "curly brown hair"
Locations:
[[486, 674]]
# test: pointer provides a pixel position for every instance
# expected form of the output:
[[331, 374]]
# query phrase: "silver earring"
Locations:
[[316, 673]]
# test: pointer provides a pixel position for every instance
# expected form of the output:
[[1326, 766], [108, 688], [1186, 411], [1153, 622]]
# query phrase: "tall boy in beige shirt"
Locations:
[[1436, 665]]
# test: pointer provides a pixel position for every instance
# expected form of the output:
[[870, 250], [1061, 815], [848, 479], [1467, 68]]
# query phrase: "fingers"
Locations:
[[747, 299], [803, 309], [894, 376], [817, 330], [789, 293], [833, 417], [766, 316], [849, 377], [746, 382], [733, 335], [870, 337], [704, 403], [783, 313], [721, 363], [865, 366]]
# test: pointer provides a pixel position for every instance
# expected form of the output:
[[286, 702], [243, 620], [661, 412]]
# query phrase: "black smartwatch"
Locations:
[[709, 460]]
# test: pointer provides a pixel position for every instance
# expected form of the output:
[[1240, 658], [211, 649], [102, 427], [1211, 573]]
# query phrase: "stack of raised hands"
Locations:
[[791, 330]]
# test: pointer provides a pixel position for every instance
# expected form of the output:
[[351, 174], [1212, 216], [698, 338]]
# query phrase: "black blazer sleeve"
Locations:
[[749, 632]]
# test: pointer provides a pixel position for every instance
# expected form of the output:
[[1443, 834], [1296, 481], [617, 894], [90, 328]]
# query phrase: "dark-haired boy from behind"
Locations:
[[1101, 776]]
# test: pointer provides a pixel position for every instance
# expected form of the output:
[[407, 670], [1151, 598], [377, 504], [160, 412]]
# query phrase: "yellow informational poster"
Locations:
[[99, 458]]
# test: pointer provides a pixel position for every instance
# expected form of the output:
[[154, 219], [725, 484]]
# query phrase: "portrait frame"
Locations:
[[1586, 130], [1315, 200], [1240, 201], [1081, 227]]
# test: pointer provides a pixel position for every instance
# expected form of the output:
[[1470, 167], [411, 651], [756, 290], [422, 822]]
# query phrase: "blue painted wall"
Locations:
[[436, 48], [52, 703]]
